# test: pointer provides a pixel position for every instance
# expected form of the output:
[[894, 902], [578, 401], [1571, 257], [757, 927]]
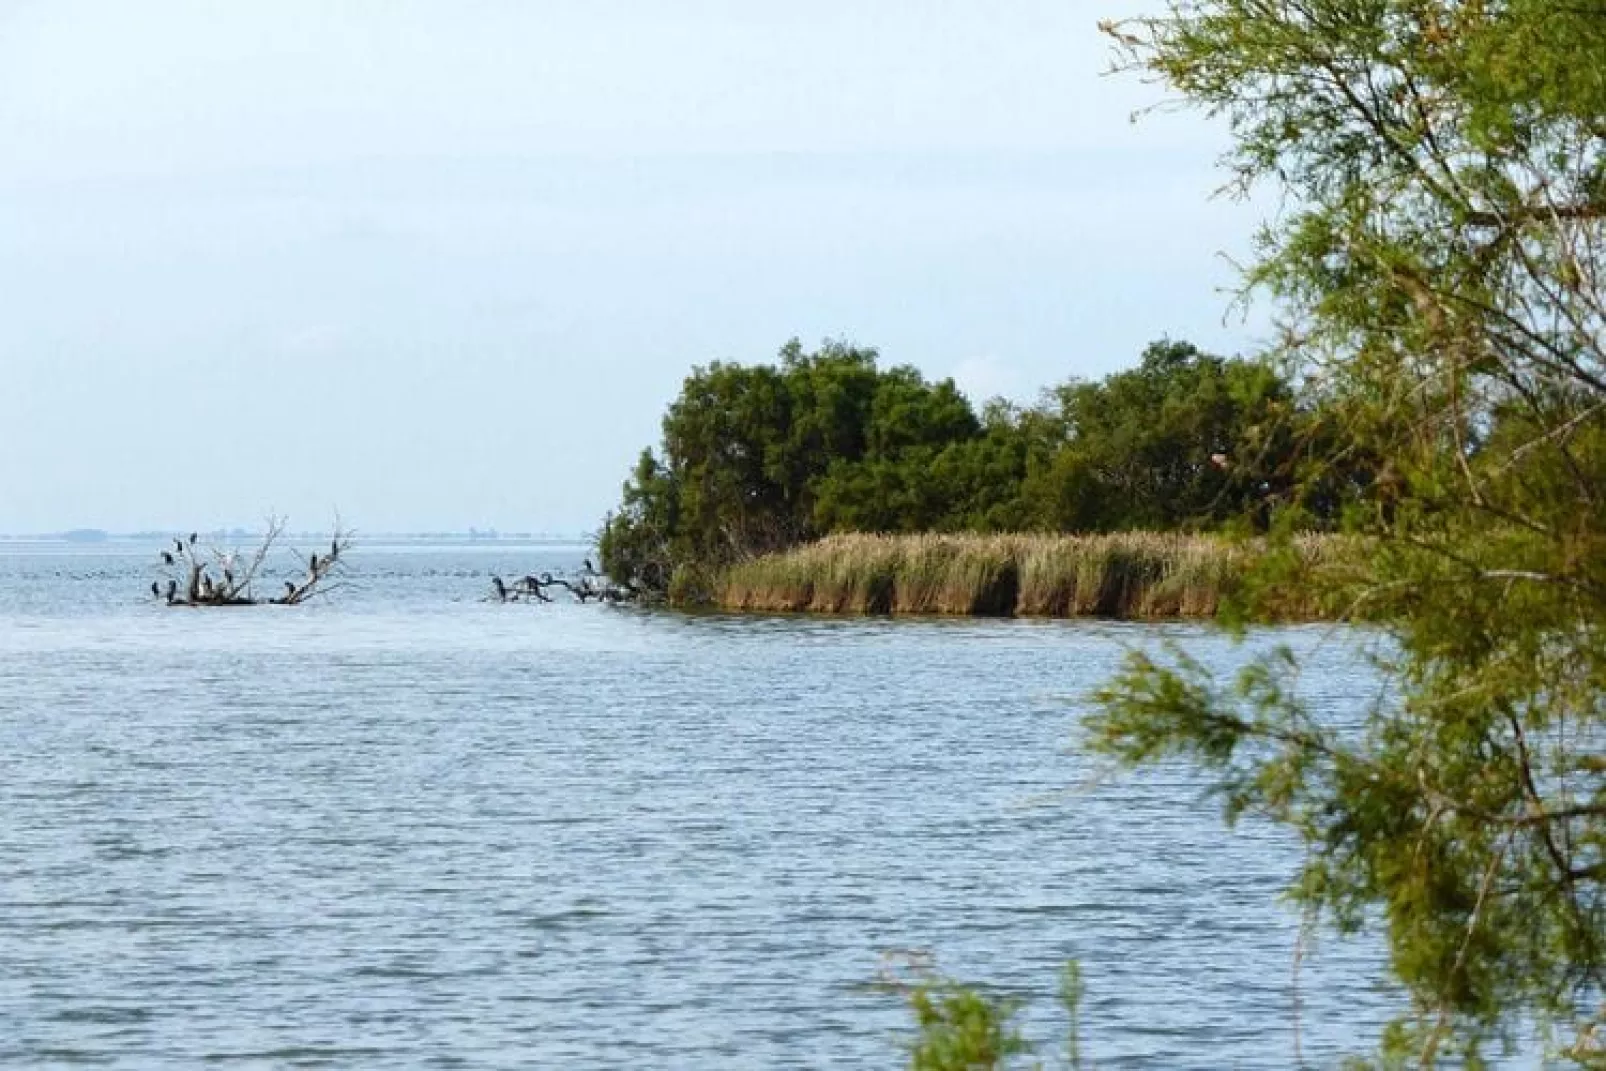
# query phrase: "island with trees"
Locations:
[[825, 482]]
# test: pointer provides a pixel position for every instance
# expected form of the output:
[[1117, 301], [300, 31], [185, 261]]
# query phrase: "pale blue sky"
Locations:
[[441, 264]]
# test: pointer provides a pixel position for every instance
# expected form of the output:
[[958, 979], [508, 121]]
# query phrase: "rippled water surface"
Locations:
[[407, 827]]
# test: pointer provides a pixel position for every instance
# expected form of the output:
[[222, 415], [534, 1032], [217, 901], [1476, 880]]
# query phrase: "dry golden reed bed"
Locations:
[[1129, 574]]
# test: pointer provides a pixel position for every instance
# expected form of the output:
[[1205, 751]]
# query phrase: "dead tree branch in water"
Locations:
[[197, 575], [590, 585], [524, 589]]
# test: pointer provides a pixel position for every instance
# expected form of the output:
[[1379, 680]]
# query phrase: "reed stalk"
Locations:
[[1123, 575]]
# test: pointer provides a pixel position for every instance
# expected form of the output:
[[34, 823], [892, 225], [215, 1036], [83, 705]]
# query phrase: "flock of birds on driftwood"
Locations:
[[532, 588], [196, 586], [202, 590]]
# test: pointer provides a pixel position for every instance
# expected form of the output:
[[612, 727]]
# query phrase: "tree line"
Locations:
[[757, 458]]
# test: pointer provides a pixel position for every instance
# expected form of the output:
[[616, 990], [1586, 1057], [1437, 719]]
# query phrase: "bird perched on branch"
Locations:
[[312, 562], [289, 588], [156, 592], [334, 549], [172, 591], [193, 536], [167, 559]]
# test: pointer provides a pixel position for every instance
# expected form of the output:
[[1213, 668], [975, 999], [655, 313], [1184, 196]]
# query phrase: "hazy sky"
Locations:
[[441, 264]]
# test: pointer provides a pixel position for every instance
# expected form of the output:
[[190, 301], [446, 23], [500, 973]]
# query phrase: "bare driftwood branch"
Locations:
[[589, 585], [196, 575]]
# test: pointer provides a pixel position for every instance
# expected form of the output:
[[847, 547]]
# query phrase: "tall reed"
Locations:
[[1127, 574]]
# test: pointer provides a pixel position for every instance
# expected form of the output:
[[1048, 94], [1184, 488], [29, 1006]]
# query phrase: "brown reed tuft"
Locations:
[[1125, 574]]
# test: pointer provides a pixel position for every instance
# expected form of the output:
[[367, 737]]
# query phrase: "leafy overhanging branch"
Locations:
[[1439, 272]]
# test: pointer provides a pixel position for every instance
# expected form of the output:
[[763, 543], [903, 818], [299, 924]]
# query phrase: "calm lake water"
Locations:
[[406, 827]]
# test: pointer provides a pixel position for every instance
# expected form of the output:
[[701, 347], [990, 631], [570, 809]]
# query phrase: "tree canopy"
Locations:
[[1183, 440], [757, 458]]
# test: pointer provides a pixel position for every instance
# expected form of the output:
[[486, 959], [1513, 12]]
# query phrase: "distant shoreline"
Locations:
[[96, 537]]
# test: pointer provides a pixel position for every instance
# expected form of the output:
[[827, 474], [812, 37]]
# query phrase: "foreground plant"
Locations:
[[963, 1028], [1442, 273]]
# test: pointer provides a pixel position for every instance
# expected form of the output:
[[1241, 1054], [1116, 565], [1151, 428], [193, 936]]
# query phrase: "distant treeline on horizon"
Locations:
[[99, 535]]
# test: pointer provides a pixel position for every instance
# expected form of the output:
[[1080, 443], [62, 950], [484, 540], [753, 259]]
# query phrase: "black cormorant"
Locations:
[[289, 588], [192, 538], [228, 578], [172, 591], [312, 562], [167, 559], [501, 588], [589, 569], [156, 592]]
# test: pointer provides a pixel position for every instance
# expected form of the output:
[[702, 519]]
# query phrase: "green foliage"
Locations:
[[750, 451], [1184, 439], [637, 543], [762, 458], [1443, 279], [1072, 990], [961, 1030]]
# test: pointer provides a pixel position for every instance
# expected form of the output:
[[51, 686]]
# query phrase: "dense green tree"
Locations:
[[931, 466], [902, 479], [638, 540], [833, 393], [758, 458], [1186, 439], [1442, 273], [726, 444]]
